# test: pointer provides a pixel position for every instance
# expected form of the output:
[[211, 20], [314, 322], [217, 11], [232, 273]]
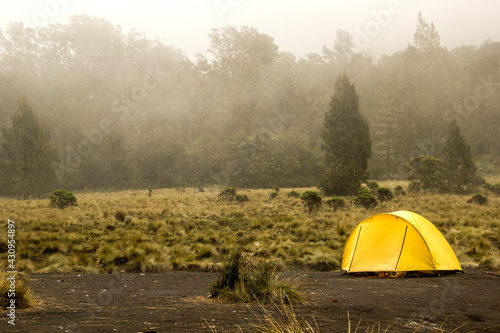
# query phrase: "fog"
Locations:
[[235, 93]]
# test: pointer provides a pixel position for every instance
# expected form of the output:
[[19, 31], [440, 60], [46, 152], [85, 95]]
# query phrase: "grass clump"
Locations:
[[241, 282], [21, 293]]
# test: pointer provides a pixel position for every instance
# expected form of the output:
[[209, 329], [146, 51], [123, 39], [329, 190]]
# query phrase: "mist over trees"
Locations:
[[125, 111]]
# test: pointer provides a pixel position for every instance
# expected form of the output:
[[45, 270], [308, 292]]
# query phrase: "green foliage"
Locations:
[[493, 188], [312, 200], [276, 189], [372, 185], [336, 203], [227, 194], [458, 159], [384, 194], [478, 199], [367, 200], [150, 192], [293, 194], [241, 197], [429, 171], [398, 190], [346, 141], [28, 156], [62, 199], [274, 194]]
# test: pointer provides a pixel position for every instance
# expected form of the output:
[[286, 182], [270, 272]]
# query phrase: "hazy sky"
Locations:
[[298, 26]]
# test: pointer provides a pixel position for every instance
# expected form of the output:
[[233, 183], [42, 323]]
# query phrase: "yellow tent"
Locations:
[[401, 241]]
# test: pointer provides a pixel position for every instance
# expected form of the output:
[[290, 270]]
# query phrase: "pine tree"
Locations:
[[346, 141], [458, 159], [28, 156]]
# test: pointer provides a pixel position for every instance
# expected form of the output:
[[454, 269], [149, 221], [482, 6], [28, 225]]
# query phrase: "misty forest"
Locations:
[[85, 105]]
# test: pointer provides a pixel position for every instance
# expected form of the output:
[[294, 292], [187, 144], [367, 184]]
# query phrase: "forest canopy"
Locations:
[[124, 111]]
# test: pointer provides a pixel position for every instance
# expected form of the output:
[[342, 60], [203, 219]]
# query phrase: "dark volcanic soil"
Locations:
[[178, 302]]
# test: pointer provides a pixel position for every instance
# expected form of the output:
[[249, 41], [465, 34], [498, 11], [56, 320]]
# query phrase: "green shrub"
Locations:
[[478, 199], [364, 190], [384, 194], [276, 189], [367, 200], [150, 192], [293, 194], [274, 194], [398, 190], [312, 200], [241, 197], [62, 199], [227, 194], [372, 185], [493, 188], [336, 203]]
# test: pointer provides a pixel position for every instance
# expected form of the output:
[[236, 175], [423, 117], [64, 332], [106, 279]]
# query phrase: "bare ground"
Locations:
[[178, 302]]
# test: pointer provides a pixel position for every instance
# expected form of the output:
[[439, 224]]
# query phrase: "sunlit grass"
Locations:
[[194, 231]]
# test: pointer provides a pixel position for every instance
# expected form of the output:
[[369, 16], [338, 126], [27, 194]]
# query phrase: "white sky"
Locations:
[[297, 26]]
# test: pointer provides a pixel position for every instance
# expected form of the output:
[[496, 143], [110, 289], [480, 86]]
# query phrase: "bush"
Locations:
[[336, 203], [478, 199], [384, 194], [62, 199], [372, 185], [120, 215], [293, 194], [367, 200], [493, 188], [227, 194], [274, 194], [398, 190], [364, 190], [241, 197], [276, 189], [312, 200]]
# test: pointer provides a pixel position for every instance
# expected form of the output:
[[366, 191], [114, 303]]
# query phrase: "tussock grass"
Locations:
[[23, 295], [239, 281], [185, 230]]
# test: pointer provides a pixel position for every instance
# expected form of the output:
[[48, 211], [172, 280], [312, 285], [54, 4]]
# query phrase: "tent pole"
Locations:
[[355, 246], [401, 251]]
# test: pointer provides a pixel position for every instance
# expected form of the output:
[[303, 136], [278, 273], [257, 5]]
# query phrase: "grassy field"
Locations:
[[184, 230]]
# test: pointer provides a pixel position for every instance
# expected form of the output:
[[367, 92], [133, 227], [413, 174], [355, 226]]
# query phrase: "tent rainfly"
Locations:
[[398, 242]]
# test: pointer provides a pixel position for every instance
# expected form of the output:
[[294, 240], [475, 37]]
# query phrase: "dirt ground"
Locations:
[[178, 302]]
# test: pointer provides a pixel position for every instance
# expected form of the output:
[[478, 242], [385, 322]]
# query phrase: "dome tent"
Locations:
[[398, 242]]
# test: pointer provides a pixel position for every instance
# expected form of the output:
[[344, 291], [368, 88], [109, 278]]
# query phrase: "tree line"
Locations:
[[84, 105]]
